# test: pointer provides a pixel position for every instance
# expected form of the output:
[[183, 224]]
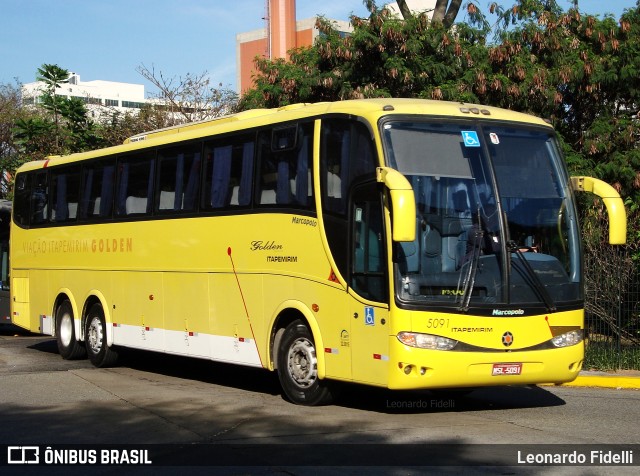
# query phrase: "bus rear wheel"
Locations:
[[100, 354], [298, 367], [68, 345]]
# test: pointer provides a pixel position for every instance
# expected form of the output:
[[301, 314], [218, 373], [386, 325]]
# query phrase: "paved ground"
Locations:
[[196, 409]]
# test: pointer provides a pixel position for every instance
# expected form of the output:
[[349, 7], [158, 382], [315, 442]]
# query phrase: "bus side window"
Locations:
[[274, 168], [302, 182], [178, 178], [65, 191], [135, 185], [285, 166], [228, 173], [22, 199], [241, 193], [39, 199], [346, 154], [97, 192]]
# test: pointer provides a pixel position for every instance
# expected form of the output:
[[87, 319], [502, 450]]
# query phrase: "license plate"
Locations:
[[507, 369]]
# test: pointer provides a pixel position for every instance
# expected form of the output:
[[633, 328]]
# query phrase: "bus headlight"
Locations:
[[568, 339], [426, 341]]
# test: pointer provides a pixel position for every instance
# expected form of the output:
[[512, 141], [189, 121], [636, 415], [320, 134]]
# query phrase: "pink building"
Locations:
[[282, 33]]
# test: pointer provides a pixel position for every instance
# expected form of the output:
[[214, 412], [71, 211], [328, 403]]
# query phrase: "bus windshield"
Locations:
[[496, 224]]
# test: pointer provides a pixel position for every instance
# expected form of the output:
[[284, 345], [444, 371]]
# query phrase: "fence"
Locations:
[[612, 317]]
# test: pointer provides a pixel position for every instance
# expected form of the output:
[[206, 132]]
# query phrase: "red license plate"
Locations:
[[507, 369]]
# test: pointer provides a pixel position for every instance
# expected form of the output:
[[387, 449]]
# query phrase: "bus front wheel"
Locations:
[[298, 367], [100, 354], [68, 345]]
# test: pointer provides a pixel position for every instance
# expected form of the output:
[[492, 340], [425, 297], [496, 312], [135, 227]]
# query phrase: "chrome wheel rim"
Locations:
[[95, 335], [302, 363], [66, 329]]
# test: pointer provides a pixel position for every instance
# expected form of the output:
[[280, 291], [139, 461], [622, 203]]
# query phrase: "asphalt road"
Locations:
[[194, 406]]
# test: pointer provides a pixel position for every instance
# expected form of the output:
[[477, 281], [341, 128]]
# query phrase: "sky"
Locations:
[[110, 39]]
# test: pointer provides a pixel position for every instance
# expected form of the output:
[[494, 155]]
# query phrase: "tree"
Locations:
[[61, 125], [384, 56], [54, 125], [445, 11], [404, 9], [120, 126], [33, 136], [81, 133], [581, 72], [53, 76], [10, 112], [190, 98]]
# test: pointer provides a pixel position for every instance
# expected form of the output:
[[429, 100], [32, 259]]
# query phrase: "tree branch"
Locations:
[[404, 9]]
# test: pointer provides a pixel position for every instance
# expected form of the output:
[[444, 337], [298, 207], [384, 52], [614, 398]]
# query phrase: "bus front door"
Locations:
[[368, 287]]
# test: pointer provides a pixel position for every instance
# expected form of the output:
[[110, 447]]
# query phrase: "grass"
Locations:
[[609, 356]]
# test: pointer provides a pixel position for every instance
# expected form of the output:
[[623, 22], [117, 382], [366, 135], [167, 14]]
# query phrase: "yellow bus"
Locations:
[[406, 244]]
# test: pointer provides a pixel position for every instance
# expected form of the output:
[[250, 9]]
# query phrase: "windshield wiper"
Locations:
[[470, 277], [533, 277]]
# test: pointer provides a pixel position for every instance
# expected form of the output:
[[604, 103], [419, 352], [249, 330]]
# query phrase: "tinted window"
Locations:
[[228, 172], [65, 193], [97, 190], [346, 154], [39, 198], [21, 200], [285, 177], [178, 178], [135, 185]]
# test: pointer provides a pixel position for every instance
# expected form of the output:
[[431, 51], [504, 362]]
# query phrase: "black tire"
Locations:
[[95, 338], [298, 369], [68, 345]]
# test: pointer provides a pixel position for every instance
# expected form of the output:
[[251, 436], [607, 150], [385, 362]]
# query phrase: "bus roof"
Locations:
[[371, 109]]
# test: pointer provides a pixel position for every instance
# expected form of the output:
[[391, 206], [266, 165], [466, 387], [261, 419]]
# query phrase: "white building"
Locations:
[[101, 97], [416, 6]]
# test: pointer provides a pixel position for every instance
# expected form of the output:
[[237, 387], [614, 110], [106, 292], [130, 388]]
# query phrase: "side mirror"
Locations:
[[403, 203], [613, 202]]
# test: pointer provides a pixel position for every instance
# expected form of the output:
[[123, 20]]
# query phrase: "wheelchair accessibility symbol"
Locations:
[[369, 318], [470, 139]]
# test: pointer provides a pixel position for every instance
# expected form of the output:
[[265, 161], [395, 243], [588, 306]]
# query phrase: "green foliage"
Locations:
[[57, 125], [53, 76], [123, 125], [383, 57], [34, 135], [607, 355], [10, 111], [60, 125]]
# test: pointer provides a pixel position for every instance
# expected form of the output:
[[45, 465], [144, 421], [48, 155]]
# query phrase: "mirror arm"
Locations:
[[611, 199], [403, 204]]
